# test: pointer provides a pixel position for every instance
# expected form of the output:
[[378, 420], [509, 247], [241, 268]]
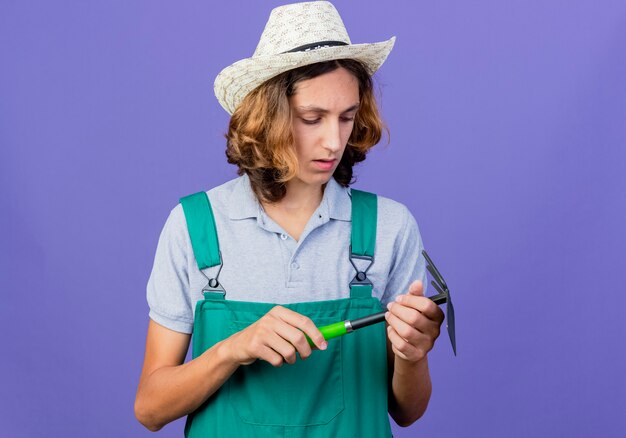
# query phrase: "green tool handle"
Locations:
[[342, 327], [331, 331]]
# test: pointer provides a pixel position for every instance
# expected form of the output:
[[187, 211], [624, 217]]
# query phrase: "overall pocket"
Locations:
[[309, 392]]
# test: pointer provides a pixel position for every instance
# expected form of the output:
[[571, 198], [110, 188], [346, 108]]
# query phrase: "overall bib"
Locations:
[[338, 392]]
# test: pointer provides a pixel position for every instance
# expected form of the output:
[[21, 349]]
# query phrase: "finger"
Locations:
[[413, 317], [295, 337], [408, 333], [400, 346], [423, 305], [271, 356], [416, 288], [423, 335], [282, 347], [303, 323]]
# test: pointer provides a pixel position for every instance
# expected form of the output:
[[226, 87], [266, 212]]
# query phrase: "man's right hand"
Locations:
[[274, 338]]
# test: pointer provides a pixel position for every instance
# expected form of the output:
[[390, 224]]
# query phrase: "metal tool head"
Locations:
[[442, 297]]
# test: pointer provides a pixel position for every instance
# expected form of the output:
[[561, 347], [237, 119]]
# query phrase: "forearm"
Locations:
[[410, 391], [171, 392], [414, 324]]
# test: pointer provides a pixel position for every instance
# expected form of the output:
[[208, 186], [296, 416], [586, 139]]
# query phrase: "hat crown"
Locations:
[[299, 24]]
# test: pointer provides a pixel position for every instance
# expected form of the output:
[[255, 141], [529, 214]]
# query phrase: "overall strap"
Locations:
[[203, 235], [363, 239]]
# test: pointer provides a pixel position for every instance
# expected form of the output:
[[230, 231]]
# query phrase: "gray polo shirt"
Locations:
[[262, 263]]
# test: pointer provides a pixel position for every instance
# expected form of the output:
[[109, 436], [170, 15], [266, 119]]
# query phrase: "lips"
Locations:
[[324, 164]]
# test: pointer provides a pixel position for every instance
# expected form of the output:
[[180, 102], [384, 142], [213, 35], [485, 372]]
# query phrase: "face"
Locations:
[[323, 111]]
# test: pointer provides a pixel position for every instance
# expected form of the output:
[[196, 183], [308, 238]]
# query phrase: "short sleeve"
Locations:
[[408, 262], [168, 286]]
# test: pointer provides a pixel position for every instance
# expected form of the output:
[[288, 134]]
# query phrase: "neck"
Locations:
[[300, 198]]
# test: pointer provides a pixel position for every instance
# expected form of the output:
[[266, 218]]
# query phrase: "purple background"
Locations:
[[508, 144]]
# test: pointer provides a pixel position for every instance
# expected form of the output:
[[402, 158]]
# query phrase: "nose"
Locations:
[[332, 136]]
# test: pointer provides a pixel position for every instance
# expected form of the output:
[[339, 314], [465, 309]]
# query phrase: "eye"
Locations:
[[310, 122], [347, 119]]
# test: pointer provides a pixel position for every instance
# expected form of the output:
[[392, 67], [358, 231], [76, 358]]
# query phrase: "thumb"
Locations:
[[416, 288]]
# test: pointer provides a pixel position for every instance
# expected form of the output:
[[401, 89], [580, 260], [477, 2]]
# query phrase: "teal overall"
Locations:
[[338, 392]]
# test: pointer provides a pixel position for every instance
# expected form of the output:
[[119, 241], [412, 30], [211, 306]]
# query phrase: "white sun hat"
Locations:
[[295, 35]]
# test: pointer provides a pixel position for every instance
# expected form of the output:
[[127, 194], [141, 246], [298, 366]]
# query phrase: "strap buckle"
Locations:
[[213, 284], [360, 279]]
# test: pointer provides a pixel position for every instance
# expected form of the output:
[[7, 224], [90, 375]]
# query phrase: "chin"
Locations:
[[323, 179], [317, 180]]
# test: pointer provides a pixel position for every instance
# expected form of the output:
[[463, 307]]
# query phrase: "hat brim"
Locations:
[[234, 82]]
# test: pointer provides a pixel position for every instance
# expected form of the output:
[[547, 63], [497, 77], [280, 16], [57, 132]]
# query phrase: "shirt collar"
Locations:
[[336, 202], [243, 202]]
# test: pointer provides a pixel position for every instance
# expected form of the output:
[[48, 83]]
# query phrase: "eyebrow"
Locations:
[[317, 109]]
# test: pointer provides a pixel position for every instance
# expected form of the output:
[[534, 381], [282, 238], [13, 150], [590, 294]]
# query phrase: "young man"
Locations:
[[256, 265]]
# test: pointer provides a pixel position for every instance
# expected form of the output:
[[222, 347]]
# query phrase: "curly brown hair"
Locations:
[[260, 136]]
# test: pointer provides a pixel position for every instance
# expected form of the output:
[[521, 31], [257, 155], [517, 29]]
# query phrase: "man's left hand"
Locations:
[[414, 323]]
